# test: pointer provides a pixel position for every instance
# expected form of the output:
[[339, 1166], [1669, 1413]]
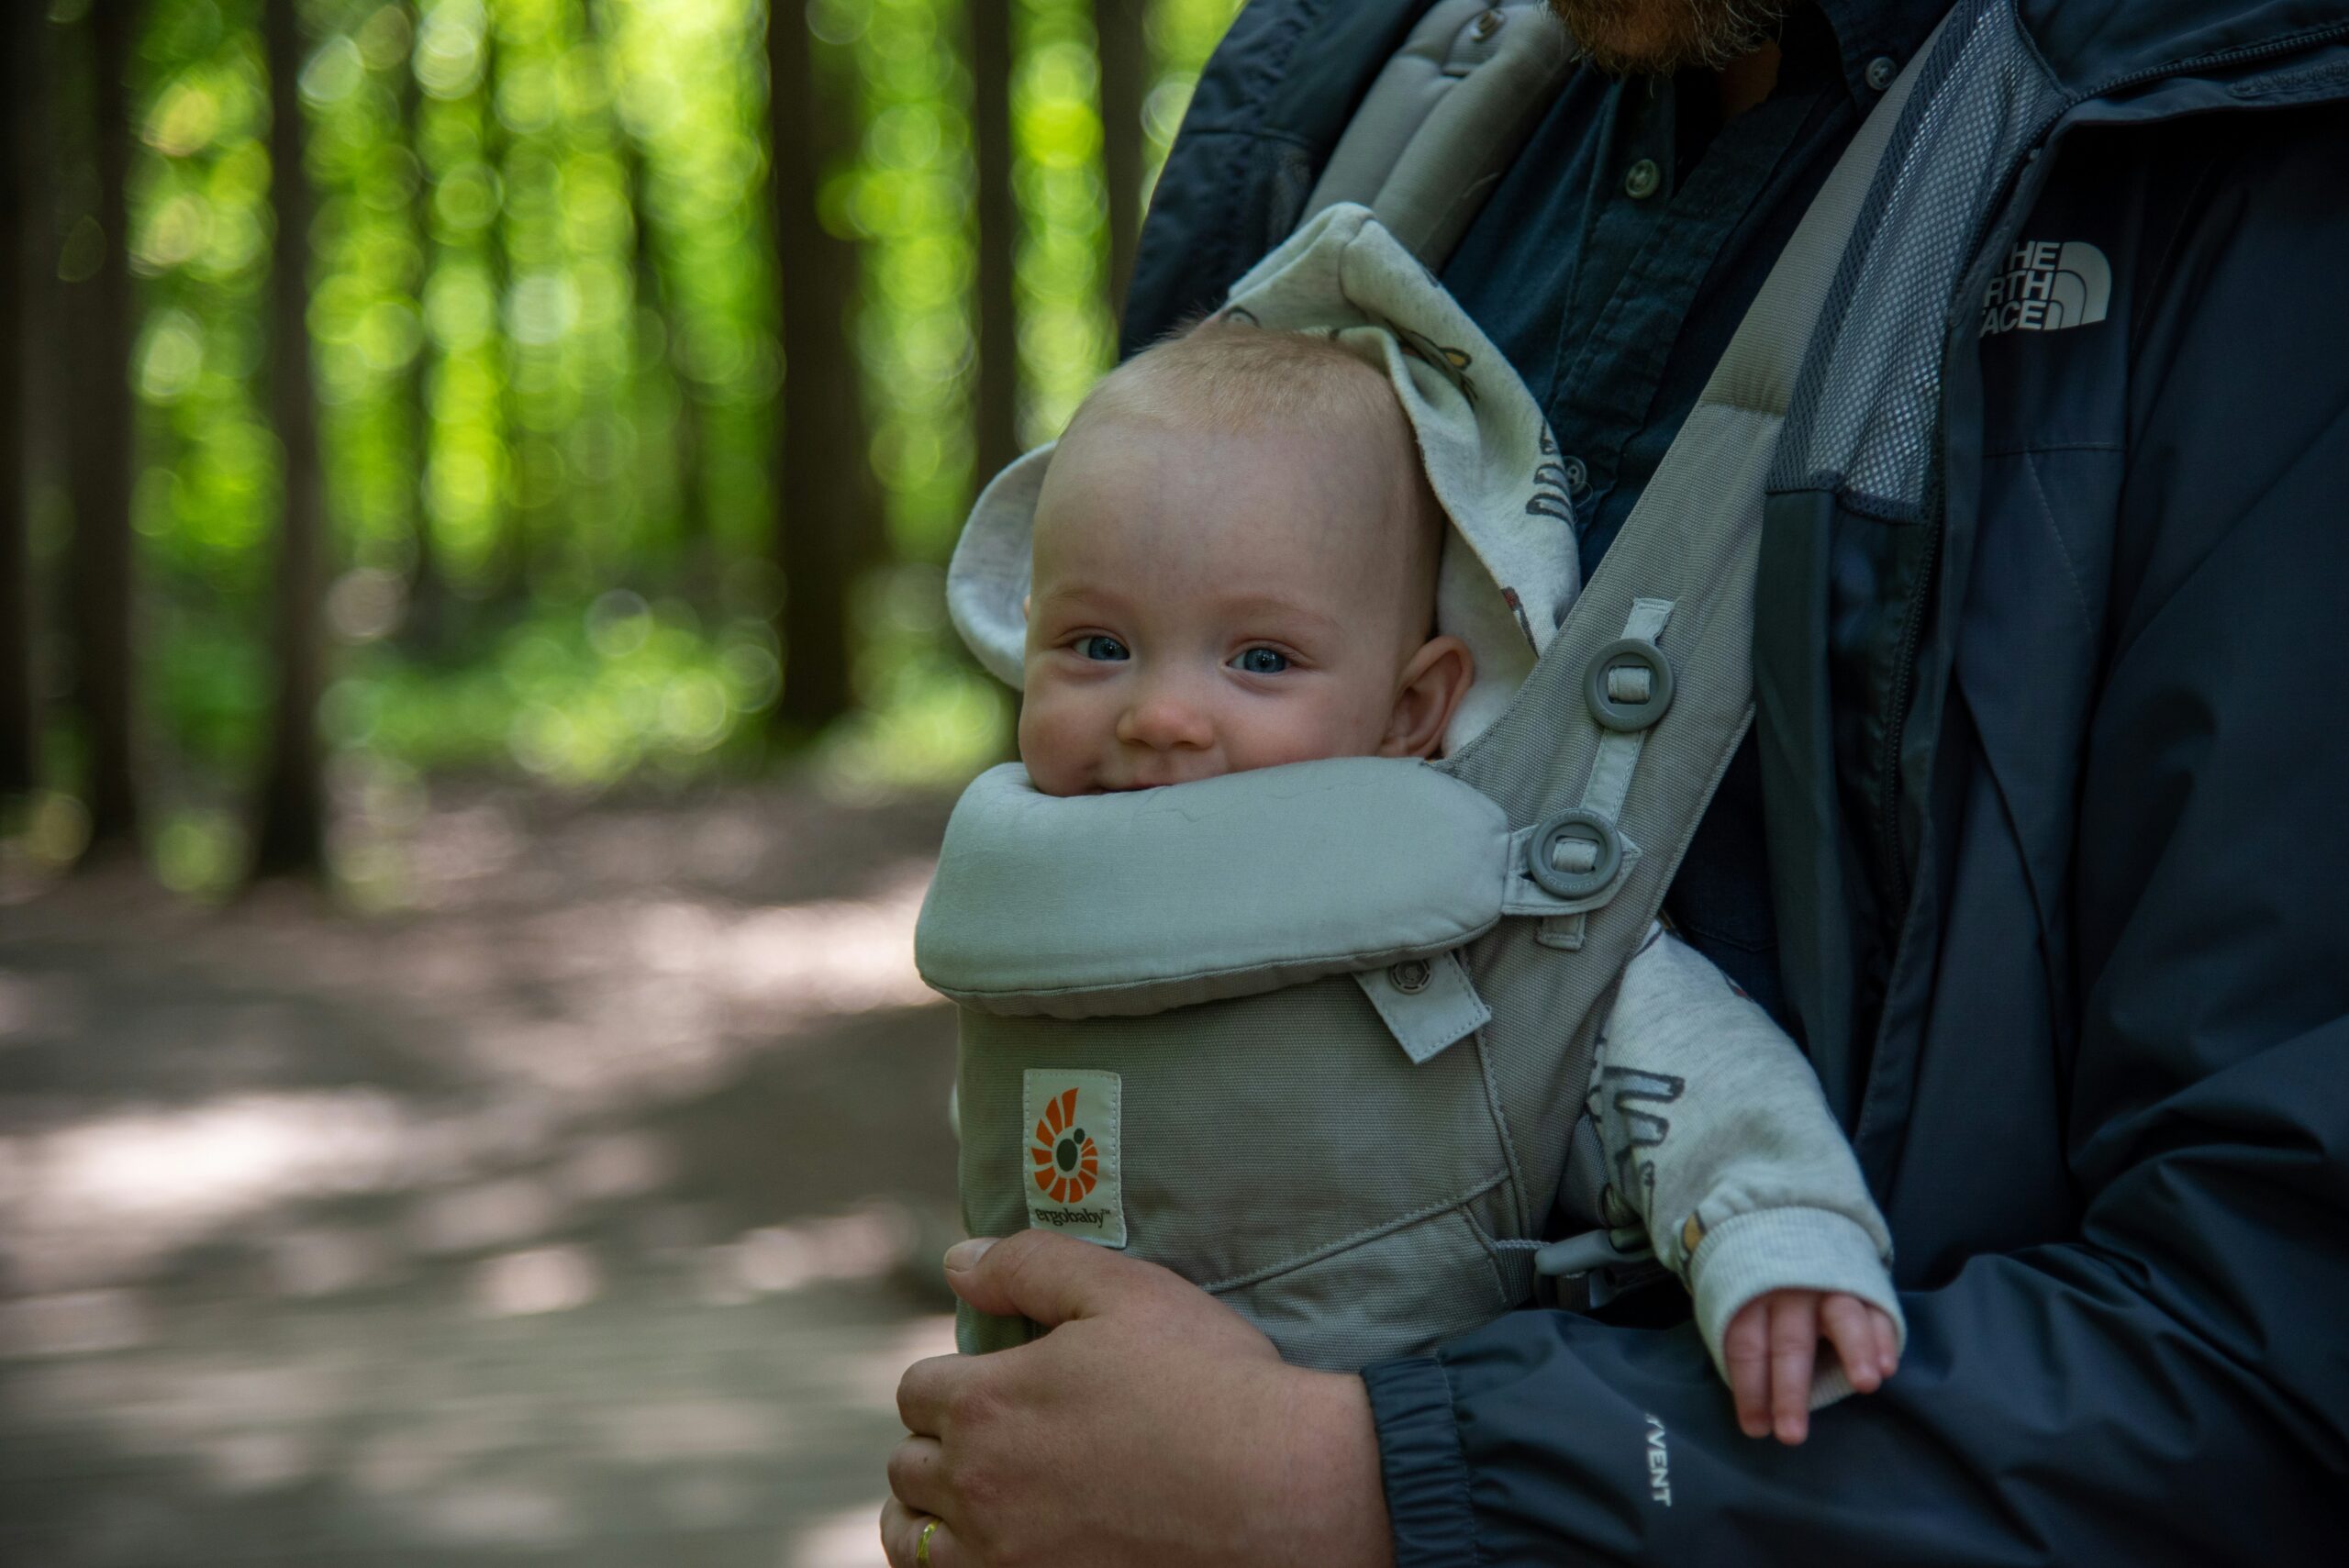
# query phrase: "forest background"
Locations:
[[585, 392]]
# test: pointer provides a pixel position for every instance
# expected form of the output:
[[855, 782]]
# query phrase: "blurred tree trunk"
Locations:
[[511, 525], [1125, 83], [26, 227], [653, 297], [687, 442], [103, 433], [290, 837], [996, 389], [825, 486], [428, 586]]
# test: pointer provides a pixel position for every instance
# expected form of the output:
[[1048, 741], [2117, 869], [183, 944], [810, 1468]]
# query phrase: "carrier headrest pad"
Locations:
[[1136, 902], [1510, 567]]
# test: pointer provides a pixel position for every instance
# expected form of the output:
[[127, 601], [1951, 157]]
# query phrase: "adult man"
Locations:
[[2046, 768]]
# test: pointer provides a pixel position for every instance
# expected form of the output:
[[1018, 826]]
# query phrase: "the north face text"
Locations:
[[2047, 288]]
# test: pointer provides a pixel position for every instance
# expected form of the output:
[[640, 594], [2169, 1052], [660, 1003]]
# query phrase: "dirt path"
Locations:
[[581, 1212]]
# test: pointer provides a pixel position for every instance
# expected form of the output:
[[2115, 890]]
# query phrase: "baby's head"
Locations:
[[1235, 566]]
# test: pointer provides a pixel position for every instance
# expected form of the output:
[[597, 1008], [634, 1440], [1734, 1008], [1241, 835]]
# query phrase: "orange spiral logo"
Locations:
[[1068, 1165]]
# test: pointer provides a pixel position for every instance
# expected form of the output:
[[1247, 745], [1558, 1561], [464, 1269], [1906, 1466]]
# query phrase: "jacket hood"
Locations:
[[2090, 47], [2094, 47]]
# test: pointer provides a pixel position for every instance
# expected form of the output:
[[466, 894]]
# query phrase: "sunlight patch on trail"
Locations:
[[850, 1539], [662, 1000], [805, 961]]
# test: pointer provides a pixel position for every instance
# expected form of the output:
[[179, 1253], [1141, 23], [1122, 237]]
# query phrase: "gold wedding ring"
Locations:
[[921, 1543]]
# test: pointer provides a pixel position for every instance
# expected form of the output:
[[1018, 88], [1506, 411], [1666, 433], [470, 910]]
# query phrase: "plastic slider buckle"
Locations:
[[1591, 1250], [1576, 854], [1628, 685]]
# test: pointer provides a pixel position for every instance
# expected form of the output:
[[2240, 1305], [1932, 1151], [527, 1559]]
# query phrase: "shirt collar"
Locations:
[[1867, 31]]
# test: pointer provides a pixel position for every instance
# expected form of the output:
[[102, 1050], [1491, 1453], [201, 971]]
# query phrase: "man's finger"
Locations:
[[1887, 1341], [1052, 1278], [901, 1532], [927, 1391], [918, 1476], [1746, 1350], [1794, 1345], [1845, 1319]]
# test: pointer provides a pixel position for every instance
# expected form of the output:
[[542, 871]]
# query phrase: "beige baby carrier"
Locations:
[[1319, 1037]]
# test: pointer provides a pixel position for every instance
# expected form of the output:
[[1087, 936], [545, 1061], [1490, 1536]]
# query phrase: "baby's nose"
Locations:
[[1165, 719]]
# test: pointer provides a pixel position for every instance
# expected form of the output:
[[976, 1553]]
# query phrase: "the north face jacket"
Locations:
[[2055, 777]]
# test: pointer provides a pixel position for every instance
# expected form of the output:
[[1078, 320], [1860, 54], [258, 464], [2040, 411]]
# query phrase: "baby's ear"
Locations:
[[1425, 697]]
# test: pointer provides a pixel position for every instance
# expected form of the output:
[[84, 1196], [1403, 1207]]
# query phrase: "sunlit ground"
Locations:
[[582, 1210]]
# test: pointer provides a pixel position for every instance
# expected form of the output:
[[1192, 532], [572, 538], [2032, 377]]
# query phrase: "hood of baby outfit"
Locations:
[[1509, 569]]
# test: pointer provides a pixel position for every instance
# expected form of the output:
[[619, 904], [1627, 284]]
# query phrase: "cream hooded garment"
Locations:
[[1509, 569]]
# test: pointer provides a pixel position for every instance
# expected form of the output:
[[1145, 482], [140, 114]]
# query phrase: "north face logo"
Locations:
[[2047, 288]]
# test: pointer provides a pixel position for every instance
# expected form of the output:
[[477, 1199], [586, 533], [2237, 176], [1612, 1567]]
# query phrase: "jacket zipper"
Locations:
[[1904, 684], [1904, 676]]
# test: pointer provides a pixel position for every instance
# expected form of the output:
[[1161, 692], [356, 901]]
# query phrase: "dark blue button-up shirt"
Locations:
[[1658, 223]]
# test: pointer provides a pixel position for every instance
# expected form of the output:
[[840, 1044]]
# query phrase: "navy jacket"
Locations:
[[2054, 781]]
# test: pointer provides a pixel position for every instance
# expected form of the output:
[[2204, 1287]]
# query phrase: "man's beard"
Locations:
[[1652, 38]]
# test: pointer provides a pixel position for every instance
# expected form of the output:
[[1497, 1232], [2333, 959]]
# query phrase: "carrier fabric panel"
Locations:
[[1279, 1149]]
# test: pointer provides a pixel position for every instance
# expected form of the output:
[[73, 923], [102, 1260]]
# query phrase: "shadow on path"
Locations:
[[583, 1209]]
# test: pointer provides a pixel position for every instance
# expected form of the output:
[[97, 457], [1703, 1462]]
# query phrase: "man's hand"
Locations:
[[1150, 1426], [1772, 1341]]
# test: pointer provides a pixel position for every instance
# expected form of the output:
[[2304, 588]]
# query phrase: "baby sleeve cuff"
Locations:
[[1751, 1255]]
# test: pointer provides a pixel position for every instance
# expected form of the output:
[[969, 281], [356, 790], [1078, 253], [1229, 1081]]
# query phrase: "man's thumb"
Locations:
[[1050, 1278]]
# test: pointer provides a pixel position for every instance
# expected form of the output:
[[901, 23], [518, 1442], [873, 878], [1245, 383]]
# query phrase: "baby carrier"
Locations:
[[1186, 1013]]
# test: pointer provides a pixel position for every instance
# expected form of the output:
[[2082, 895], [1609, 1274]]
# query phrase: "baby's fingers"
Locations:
[[1746, 1348], [1794, 1346], [1850, 1325]]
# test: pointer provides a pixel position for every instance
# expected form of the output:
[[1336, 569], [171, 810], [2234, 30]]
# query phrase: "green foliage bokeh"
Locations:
[[543, 330]]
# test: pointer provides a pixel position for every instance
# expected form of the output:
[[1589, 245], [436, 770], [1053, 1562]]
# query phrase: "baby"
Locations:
[[1235, 564]]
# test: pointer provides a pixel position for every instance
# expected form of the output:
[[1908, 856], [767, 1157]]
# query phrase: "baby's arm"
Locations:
[[1718, 1141]]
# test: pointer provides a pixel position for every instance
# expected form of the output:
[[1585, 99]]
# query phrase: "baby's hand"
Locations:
[[1769, 1348]]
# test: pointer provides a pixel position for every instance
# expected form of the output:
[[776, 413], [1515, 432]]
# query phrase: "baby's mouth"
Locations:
[[1132, 785], [1156, 772]]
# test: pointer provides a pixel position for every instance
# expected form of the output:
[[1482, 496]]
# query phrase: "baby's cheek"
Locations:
[[1327, 725], [1055, 744]]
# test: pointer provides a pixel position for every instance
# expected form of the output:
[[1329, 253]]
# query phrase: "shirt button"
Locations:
[[1577, 475], [1881, 70], [1640, 181]]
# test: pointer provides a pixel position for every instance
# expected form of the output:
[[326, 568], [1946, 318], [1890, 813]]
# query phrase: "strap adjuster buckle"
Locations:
[[1575, 854]]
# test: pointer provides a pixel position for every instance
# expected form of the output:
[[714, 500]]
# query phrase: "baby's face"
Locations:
[[1206, 603]]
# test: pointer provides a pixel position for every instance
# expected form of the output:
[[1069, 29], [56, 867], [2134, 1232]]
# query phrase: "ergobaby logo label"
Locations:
[[2047, 288], [1659, 1464], [1068, 1165], [1068, 1161]]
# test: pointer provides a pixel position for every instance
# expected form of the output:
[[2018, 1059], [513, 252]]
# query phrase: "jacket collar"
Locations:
[[1869, 31]]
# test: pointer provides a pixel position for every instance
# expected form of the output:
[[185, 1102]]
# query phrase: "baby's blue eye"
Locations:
[[1262, 661], [1107, 650]]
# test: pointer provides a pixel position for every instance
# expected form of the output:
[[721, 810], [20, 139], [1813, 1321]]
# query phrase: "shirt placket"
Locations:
[[1658, 234]]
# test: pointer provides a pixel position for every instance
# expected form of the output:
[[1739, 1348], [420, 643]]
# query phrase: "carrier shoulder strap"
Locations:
[[1612, 750], [1445, 119]]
